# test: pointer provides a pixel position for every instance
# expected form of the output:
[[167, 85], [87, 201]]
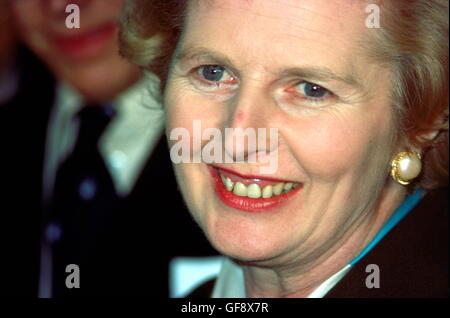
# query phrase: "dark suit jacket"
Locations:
[[22, 141], [412, 258], [148, 231], [145, 231]]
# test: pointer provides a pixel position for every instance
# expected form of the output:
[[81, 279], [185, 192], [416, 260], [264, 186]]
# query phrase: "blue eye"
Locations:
[[313, 90], [213, 73], [213, 79]]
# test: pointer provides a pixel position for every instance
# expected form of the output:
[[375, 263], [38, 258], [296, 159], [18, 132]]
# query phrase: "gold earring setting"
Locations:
[[406, 166]]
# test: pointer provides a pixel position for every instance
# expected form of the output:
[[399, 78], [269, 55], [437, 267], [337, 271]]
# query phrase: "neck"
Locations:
[[300, 279]]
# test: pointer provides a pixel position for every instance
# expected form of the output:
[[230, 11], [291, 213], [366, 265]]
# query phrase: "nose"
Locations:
[[249, 120]]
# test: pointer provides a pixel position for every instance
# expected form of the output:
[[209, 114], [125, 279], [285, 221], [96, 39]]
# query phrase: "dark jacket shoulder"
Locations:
[[412, 258]]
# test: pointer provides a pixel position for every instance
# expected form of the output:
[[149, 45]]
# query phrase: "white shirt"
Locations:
[[126, 143], [188, 273]]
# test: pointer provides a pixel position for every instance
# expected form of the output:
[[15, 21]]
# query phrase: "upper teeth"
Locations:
[[254, 191]]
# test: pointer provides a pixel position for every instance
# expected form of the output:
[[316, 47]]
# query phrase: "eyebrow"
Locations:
[[309, 73], [193, 53], [324, 74]]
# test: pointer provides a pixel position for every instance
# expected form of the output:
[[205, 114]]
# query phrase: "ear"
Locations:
[[440, 126], [430, 137]]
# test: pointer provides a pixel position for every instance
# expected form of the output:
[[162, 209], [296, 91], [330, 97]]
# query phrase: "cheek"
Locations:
[[331, 146], [109, 7], [27, 15], [177, 113], [183, 108], [31, 23], [181, 111]]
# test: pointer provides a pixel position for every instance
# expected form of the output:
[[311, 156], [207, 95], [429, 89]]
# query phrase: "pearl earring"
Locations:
[[406, 166]]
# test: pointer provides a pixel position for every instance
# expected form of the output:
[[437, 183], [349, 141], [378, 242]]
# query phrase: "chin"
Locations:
[[246, 234], [246, 253], [243, 240]]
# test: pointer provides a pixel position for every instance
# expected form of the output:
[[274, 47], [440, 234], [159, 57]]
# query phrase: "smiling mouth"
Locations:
[[87, 43], [251, 193]]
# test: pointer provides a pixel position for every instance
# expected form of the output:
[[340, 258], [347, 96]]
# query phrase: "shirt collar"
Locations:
[[127, 142], [230, 282]]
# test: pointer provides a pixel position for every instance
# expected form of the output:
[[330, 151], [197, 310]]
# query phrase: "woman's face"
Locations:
[[84, 56], [297, 66]]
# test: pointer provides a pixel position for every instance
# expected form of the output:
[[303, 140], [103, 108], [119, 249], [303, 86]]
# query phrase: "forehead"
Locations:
[[278, 31]]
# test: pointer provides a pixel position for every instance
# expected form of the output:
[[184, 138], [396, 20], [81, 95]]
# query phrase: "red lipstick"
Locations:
[[244, 203], [86, 44]]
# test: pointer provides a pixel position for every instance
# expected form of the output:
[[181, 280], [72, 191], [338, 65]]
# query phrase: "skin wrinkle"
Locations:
[[277, 18], [280, 19], [199, 56], [199, 53], [339, 152]]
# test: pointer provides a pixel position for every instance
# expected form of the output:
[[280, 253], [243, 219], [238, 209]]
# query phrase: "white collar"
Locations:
[[129, 140], [125, 145], [230, 282]]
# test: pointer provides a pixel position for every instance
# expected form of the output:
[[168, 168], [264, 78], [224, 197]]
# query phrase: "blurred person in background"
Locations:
[[88, 162], [23, 82]]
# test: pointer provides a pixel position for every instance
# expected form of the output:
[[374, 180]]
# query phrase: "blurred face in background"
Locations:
[[85, 57]]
